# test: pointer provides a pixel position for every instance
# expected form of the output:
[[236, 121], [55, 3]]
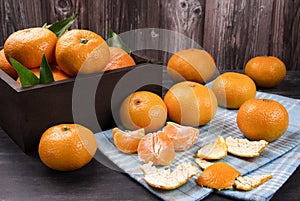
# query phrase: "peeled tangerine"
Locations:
[[157, 148], [127, 141], [167, 180], [184, 136], [214, 150]]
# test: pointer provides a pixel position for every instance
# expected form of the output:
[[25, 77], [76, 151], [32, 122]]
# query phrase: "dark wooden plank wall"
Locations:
[[233, 31]]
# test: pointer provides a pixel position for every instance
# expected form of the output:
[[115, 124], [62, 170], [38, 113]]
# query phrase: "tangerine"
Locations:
[[191, 65], [56, 72], [190, 103], [67, 147], [262, 119], [28, 46], [233, 89], [6, 66], [118, 59], [266, 71], [143, 109], [81, 51]]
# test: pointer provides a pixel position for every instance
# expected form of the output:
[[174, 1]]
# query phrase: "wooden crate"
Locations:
[[25, 113]]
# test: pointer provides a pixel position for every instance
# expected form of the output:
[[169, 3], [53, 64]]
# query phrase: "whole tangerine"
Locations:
[[233, 89], [6, 66], [143, 109], [266, 71], [190, 103], [56, 72], [262, 119], [81, 51], [191, 65], [28, 46], [67, 147], [118, 59]]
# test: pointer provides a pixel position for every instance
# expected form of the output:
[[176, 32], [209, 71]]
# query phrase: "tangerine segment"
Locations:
[[214, 150], [219, 176], [184, 136], [127, 141], [157, 148], [167, 180]]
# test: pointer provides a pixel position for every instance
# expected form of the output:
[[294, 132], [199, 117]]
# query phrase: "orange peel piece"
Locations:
[[246, 183], [244, 147], [167, 180], [219, 176], [214, 150], [203, 164]]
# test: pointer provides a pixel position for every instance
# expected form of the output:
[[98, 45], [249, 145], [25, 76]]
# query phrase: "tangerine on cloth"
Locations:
[[280, 158]]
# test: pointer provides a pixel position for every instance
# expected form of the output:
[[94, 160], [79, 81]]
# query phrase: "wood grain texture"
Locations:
[[233, 31]]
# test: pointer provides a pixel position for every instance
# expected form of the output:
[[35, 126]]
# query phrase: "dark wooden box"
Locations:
[[25, 113]]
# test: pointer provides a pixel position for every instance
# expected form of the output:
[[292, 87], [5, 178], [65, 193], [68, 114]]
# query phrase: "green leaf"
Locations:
[[116, 41], [27, 78], [59, 28], [46, 75]]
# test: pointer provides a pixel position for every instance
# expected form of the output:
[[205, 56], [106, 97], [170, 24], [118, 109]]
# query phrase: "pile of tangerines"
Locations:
[[76, 50], [154, 127]]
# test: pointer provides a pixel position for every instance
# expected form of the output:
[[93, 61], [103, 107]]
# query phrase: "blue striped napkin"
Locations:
[[284, 150]]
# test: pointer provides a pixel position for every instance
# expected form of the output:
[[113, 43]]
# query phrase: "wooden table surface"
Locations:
[[24, 177]]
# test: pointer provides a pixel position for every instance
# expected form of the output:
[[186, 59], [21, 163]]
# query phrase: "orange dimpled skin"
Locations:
[[81, 50], [233, 89], [191, 65], [219, 176], [6, 66], [67, 147], [266, 71], [27, 46], [262, 119], [143, 109], [190, 103], [118, 59]]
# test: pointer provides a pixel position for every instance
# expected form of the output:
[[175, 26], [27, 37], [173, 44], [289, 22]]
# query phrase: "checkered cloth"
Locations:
[[280, 158]]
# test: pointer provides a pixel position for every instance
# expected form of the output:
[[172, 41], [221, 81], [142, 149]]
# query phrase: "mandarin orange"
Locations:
[[143, 109], [191, 65], [28, 46], [266, 71], [190, 103], [262, 119], [6, 66], [81, 51], [67, 147], [233, 89], [118, 59]]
